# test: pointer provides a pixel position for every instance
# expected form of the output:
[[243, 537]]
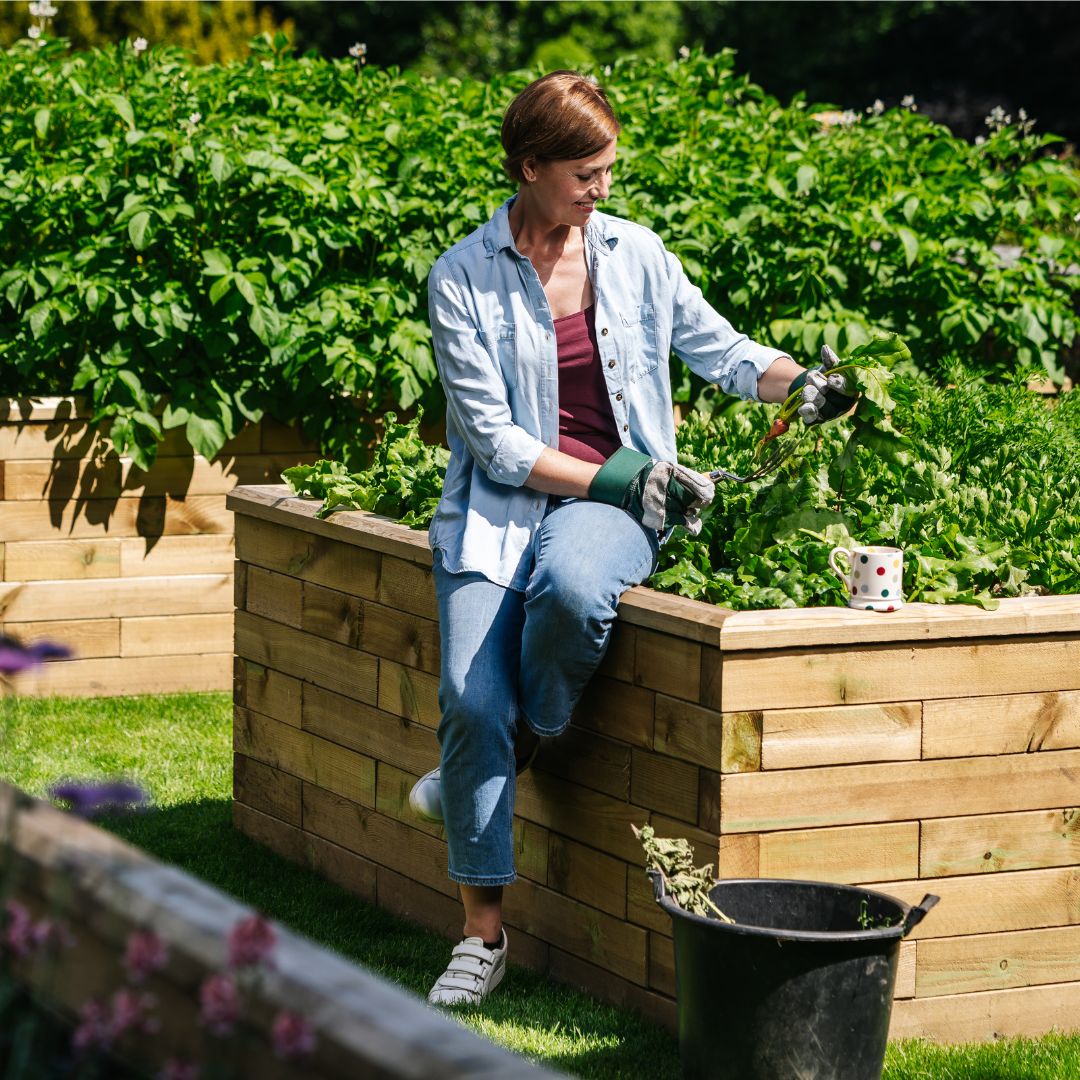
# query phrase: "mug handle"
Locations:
[[846, 578]]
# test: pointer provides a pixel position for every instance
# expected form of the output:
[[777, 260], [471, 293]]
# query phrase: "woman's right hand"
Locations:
[[659, 494]]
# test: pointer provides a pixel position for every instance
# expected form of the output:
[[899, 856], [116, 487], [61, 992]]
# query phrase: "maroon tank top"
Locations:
[[586, 423]]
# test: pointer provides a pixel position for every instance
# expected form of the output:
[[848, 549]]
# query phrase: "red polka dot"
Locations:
[[854, 592], [881, 569], [891, 607]]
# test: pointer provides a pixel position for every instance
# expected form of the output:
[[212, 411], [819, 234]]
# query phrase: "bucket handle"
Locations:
[[916, 914], [658, 885]]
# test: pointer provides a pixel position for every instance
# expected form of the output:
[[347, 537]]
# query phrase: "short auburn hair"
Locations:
[[560, 117]]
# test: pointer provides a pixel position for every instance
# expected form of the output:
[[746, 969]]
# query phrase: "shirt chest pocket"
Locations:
[[500, 340], [640, 341]]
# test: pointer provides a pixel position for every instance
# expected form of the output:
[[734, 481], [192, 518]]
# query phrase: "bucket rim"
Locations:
[[884, 933]]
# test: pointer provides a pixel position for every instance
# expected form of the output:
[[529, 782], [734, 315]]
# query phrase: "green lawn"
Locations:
[[179, 748]]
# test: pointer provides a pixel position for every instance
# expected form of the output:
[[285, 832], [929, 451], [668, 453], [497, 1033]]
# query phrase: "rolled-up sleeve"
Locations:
[[708, 344], [476, 393]]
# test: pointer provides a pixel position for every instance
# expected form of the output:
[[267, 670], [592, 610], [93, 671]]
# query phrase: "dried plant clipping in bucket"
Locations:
[[687, 885]]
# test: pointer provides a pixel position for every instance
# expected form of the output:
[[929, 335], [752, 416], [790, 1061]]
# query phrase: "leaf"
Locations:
[[205, 435], [217, 262], [804, 178], [41, 122], [910, 244], [138, 228], [123, 108]]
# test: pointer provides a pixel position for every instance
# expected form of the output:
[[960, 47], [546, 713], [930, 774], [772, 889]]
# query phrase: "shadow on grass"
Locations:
[[552, 1024]]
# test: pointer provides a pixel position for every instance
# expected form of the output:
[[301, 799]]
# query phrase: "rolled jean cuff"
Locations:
[[487, 881]]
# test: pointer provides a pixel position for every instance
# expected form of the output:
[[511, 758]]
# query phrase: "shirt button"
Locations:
[[618, 397], [604, 332], [626, 427], [547, 337], [611, 363]]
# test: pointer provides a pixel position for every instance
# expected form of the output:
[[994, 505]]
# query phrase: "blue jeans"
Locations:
[[511, 657]]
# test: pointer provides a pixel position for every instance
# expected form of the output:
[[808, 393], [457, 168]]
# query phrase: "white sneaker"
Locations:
[[426, 797], [474, 971]]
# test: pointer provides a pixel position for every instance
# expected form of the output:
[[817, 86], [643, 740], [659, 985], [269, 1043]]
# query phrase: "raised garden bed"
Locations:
[[935, 749], [101, 890], [130, 569]]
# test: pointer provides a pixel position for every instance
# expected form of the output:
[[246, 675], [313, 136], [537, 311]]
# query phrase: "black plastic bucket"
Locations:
[[799, 987]]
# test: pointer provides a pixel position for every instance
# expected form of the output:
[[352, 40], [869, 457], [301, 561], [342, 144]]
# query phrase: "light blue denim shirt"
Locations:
[[494, 340]]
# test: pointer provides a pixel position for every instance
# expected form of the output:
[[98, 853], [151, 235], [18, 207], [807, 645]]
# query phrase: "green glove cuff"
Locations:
[[610, 484], [797, 382]]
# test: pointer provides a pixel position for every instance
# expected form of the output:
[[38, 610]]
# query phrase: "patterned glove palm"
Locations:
[[825, 396], [658, 493]]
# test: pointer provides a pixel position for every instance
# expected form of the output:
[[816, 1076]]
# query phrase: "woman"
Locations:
[[552, 326]]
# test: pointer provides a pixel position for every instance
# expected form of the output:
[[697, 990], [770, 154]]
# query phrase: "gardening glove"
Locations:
[[658, 493], [824, 396]]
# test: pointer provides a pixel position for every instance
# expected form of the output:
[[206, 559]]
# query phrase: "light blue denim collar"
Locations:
[[599, 232]]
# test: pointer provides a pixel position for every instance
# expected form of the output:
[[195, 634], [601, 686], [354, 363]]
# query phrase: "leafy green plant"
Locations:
[[192, 246], [403, 482], [686, 884]]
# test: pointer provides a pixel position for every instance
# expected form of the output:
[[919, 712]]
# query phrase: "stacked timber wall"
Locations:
[[935, 749], [131, 569]]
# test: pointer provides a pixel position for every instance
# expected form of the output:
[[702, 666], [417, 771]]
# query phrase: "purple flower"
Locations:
[[16, 657], [145, 954], [292, 1036], [131, 1011], [219, 1003], [174, 1069], [18, 929], [93, 1032], [88, 798], [251, 941]]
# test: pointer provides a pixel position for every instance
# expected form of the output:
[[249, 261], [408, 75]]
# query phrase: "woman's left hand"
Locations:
[[824, 396]]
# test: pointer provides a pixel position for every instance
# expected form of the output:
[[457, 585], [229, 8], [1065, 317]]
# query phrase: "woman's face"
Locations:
[[568, 191]]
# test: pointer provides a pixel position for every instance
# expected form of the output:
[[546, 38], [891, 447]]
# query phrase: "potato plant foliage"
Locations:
[[977, 482], [192, 246]]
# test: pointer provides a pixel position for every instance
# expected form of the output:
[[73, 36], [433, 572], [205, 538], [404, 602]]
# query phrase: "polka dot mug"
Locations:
[[875, 580]]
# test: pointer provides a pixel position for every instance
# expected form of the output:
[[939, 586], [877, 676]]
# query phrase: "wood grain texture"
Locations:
[[151, 516], [588, 875], [266, 691], [304, 755], [376, 837], [963, 965], [408, 693], [1002, 724], [325, 663], [118, 476], [275, 503], [113, 676], [862, 794], [578, 929], [168, 555], [687, 731], [266, 789], [85, 637], [115, 598], [160, 635], [987, 1016], [993, 903], [667, 663], [804, 627], [41, 560], [321, 560], [991, 843], [800, 738], [870, 674], [273, 596], [664, 784], [369, 731], [847, 855]]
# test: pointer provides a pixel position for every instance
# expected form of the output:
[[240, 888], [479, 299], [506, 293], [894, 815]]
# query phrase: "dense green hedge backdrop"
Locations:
[[193, 245]]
